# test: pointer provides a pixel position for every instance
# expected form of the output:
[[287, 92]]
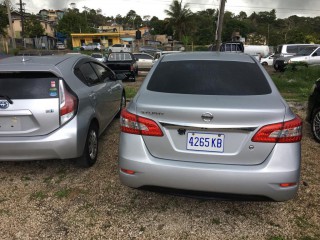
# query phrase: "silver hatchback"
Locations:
[[211, 122], [55, 107]]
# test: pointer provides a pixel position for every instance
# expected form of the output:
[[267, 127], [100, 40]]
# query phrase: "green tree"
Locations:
[[3, 19], [33, 27], [206, 22], [180, 18], [74, 22]]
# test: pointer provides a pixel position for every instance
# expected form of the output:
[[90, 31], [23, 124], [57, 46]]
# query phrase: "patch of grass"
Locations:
[[216, 221], [63, 193], [295, 85], [38, 195], [276, 238], [25, 178], [302, 222], [131, 91], [308, 238], [4, 212]]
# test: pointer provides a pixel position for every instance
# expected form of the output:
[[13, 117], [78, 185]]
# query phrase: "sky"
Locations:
[[284, 8]]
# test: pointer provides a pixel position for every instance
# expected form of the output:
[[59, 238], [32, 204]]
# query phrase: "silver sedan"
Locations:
[[211, 122]]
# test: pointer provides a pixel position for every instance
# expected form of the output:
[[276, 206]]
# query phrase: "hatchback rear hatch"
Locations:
[[209, 111], [31, 103]]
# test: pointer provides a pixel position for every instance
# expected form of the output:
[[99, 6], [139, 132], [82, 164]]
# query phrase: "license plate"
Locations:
[[10, 124], [207, 142]]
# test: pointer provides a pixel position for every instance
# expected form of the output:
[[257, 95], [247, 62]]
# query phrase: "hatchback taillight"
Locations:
[[286, 132], [68, 103], [134, 124]]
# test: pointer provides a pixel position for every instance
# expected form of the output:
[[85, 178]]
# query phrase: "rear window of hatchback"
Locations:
[[208, 77]]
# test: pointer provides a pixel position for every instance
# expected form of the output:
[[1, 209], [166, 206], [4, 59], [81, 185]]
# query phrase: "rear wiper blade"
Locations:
[[6, 98]]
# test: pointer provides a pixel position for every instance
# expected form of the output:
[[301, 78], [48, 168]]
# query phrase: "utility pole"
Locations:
[[10, 24], [21, 5], [219, 24]]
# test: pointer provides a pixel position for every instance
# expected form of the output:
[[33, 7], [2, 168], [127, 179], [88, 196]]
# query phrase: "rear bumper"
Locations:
[[282, 166], [60, 144]]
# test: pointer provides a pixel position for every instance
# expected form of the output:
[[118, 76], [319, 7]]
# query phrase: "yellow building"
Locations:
[[104, 38]]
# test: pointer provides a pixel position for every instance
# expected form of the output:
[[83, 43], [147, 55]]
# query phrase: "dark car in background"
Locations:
[[56, 107], [124, 63], [313, 113]]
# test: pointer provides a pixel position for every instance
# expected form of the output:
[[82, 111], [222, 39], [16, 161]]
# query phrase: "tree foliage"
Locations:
[[32, 27], [180, 17], [3, 19], [200, 27]]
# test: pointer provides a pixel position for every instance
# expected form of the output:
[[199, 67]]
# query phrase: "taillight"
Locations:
[[68, 103], [134, 124], [286, 132]]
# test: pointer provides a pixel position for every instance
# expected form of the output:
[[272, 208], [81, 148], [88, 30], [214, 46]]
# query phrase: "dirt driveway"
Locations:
[[57, 200]]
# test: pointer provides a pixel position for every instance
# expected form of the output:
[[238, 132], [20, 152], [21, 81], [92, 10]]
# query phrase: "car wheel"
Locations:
[[90, 152], [81, 48], [96, 49], [315, 125], [264, 64], [122, 104]]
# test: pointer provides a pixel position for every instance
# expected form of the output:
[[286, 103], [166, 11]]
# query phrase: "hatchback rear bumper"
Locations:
[[282, 166], [60, 144]]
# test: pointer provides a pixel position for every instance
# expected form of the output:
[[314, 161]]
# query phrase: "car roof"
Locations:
[[217, 56], [38, 63]]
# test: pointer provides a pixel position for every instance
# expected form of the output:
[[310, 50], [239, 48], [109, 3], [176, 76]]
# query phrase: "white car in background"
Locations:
[[267, 61], [119, 48], [144, 60]]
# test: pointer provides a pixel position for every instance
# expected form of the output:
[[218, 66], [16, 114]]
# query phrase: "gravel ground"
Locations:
[[58, 200]]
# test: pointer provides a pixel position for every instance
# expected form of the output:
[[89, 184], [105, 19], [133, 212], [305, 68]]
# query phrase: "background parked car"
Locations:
[[313, 113], [308, 55], [124, 63], [62, 105], [149, 49], [120, 48], [267, 61], [99, 57], [287, 50], [145, 61], [92, 47], [60, 46], [211, 122]]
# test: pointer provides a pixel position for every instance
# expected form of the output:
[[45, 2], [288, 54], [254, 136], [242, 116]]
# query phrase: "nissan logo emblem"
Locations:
[[207, 117], [4, 104]]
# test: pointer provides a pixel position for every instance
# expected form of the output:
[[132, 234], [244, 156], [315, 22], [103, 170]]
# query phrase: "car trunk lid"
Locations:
[[210, 118], [34, 107]]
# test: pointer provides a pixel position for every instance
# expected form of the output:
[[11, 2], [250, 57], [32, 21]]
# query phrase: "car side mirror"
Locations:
[[120, 76]]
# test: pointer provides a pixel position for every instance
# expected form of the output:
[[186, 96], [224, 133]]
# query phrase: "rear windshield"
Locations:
[[209, 78], [119, 57], [29, 85]]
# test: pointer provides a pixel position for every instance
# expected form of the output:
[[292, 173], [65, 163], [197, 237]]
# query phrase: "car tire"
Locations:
[[96, 49], [123, 104], [315, 125], [264, 64], [81, 48], [90, 151]]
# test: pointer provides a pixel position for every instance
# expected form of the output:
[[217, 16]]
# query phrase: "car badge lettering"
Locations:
[[4, 104]]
